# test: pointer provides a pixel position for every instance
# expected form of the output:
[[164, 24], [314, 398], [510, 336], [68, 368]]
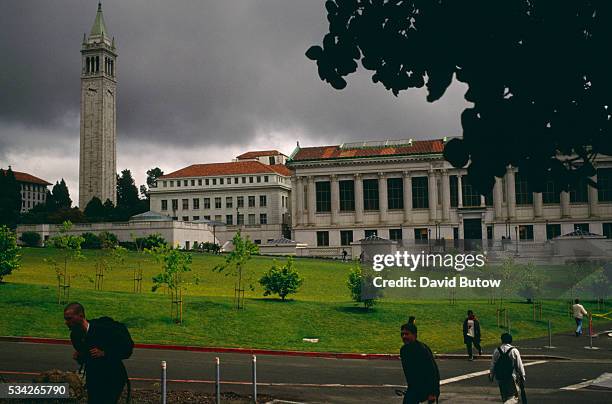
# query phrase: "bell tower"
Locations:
[[98, 140]]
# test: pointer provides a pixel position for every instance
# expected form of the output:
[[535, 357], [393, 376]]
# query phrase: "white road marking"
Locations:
[[482, 373], [578, 385]]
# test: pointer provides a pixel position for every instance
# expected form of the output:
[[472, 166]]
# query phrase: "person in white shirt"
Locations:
[[507, 368], [578, 312]]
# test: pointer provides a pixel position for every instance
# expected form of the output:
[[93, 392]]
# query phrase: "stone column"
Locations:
[[445, 196], [312, 201], [358, 199], [407, 197], [459, 191], [335, 199], [383, 202], [301, 214], [294, 214], [565, 204], [510, 193], [537, 204], [483, 202], [433, 194], [593, 199], [497, 198]]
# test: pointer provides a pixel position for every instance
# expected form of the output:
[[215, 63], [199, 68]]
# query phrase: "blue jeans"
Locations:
[[578, 326]]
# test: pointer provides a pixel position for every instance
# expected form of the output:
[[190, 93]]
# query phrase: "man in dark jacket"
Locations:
[[100, 346], [420, 368], [471, 334]]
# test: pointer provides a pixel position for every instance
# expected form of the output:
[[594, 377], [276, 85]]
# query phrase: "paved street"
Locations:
[[318, 380]]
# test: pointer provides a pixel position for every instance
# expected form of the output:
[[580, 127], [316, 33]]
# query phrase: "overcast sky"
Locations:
[[199, 81]]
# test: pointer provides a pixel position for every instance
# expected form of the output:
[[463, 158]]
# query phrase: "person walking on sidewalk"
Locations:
[[420, 368], [507, 368], [471, 334], [578, 311]]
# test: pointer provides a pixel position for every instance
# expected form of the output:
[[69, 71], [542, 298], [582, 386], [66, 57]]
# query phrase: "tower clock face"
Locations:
[[92, 90]]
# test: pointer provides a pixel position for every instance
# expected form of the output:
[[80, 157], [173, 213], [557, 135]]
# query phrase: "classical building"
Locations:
[[405, 190], [98, 153], [33, 190], [245, 194]]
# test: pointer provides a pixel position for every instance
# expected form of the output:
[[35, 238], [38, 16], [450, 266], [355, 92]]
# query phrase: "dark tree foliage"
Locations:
[[94, 211], [61, 196], [10, 198], [127, 193], [538, 74]]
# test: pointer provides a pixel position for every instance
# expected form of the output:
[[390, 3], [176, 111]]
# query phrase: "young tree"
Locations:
[[530, 284], [10, 198], [281, 281], [513, 56], [358, 285], [235, 262], [173, 264], [10, 259], [70, 248]]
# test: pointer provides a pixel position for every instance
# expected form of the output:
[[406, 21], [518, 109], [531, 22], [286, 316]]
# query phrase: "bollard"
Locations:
[[163, 382], [591, 334], [218, 380], [254, 379], [550, 345]]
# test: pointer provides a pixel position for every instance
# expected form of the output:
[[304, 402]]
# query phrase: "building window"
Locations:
[[454, 190], [229, 202], [607, 227], [251, 201], [271, 160], [579, 192], [240, 201], [206, 203], [395, 193], [550, 194], [322, 238], [175, 204], [218, 203], [524, 195], [250, 180], [164, 204], [244, 180], [346, 237], [171, 184], [178, 183], [196, 218], [470, 196], [185, 218], [265, 178], [552, 231], [323, 195], [236, 180], [193, 183], [229, 220], [240, 219], [263, 201], [604, 182], [251, 218], [263, 218], [370, 194], [185, 203], [371, 233], [186, 183], [214, 181], [583, 227], [207, 217], [200, 181], [220, 181], [218, 218], [420, 193], [347, 195], [165, 184], [259, 178], [395, 234], [196, 203], [525, 232], [207, 182], [420, 234], [229, 181]]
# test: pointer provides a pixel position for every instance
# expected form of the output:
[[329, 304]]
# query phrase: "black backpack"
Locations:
[[504, 367], [124, 344]]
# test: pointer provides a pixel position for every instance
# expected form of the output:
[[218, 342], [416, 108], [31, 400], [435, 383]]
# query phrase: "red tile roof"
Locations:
[[336, 152], [259, 153], [29, 178], [233, 168]]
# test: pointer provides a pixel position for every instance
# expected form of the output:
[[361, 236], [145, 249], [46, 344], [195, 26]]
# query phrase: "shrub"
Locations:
[[31, 238], [92, 241], [281, 281], [151, 241], [9, 252], [356, 281], [108, 239]]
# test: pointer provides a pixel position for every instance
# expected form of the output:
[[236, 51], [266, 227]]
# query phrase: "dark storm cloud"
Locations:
[[193, 73]]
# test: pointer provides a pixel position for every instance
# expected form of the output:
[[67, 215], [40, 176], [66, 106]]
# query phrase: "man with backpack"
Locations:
[[420, 368], [507, 368], [100, 346]]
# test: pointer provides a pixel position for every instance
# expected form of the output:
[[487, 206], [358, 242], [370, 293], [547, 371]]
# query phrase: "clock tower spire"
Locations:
[[98, 148]]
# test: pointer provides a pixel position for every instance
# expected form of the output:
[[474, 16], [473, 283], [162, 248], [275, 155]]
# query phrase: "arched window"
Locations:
[[97, 63], [112, 67], [87, 64]]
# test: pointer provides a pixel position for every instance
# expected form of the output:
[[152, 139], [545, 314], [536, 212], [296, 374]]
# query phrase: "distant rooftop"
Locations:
[[232, 168], [259, 153], [29, 178]]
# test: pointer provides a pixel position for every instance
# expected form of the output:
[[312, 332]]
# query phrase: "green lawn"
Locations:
[[322, 309]]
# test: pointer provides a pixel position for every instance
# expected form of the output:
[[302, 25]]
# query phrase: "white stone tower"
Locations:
[[98, 151]]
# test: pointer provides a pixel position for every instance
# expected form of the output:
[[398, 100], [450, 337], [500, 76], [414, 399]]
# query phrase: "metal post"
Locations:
[[218, 380], [163, 382], [591, 333], [550, 345], [254, 379]]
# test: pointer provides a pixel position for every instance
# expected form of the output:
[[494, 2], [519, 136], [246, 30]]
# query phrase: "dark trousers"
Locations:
[[468, 345], [105, 394]]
